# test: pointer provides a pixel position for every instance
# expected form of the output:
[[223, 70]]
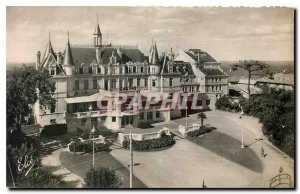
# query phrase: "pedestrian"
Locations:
[[262, 152]]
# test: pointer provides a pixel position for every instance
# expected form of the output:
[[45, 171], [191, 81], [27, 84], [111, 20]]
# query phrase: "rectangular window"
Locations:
[[171, 70], [52, 108], [171, 81], [86, 84], [141, 116], [138, 82], [113, 119], [153, 70], [76, 84], [146, 82], [153, 82], [114, 83], [52, 72], [95, 84], [157, 114], [149, 116]]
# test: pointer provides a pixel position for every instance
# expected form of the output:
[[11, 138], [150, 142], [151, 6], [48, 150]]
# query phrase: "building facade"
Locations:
[[84, 73], [205, 71]]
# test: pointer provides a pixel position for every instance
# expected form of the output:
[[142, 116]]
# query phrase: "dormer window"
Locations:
[[52, 71]]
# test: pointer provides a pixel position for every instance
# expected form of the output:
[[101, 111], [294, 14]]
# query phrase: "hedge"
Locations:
[[54, 130], [150, 144], [201, 131]]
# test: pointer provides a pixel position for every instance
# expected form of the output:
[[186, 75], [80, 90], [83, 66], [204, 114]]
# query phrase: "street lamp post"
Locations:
[[93, 131], [131, 159], [186, 122]]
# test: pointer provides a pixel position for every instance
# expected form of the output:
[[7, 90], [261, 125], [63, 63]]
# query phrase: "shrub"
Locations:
[[101, 178], [78, 147], [150, 144], [224, 103], [54, 130], [201, 131], [87, 147]]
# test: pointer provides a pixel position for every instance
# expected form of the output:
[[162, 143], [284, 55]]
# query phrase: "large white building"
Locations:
[[82, 73]]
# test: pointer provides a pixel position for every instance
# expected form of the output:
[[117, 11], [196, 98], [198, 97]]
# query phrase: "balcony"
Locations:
[[80, 115]]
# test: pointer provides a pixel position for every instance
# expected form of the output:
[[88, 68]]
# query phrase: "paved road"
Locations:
[[215, 158], [80, 164]]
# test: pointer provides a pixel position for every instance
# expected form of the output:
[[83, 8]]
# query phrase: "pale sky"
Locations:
[[226, 33]]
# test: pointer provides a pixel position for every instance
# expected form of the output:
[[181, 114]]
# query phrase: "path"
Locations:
[[53, 160]]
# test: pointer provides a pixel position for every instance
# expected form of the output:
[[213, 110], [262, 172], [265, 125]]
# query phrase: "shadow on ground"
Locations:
[[229, 148], [81, 163]]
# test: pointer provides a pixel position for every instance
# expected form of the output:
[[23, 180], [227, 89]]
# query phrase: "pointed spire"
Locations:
[[97, 29], [49, 48], [68, 59], [155, 58]]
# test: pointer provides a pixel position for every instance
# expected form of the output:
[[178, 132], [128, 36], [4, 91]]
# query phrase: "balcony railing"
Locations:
[[87, 114]]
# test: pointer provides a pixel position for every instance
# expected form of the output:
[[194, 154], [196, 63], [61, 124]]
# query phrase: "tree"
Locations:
[[25, 170], [26, 86], [202, 116], [101, 178], [253, 68]]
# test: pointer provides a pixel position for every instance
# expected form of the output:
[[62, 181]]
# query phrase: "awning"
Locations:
[[91, 98]]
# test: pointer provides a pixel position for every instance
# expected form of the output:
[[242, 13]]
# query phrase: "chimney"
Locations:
[[38, 60], [59, 56], [199, 62]]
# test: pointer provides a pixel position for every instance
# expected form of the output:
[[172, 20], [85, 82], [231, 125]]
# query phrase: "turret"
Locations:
[[68, 59], [97, 36], [154, 60]]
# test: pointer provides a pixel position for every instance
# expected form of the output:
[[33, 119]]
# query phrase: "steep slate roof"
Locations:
[[97, 30], [88, 55], [212, 71], [185, 69], [204, 56], [68, 58], [48, 51]]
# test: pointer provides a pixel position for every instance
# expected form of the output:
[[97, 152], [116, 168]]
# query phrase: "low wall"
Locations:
[[144, 136], [185, 129]]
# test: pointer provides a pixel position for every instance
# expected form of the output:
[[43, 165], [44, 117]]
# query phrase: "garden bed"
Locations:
[[158, 144], [203, 130]]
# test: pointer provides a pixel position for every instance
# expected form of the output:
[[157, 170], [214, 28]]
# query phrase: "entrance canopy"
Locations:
[[91, 98]]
